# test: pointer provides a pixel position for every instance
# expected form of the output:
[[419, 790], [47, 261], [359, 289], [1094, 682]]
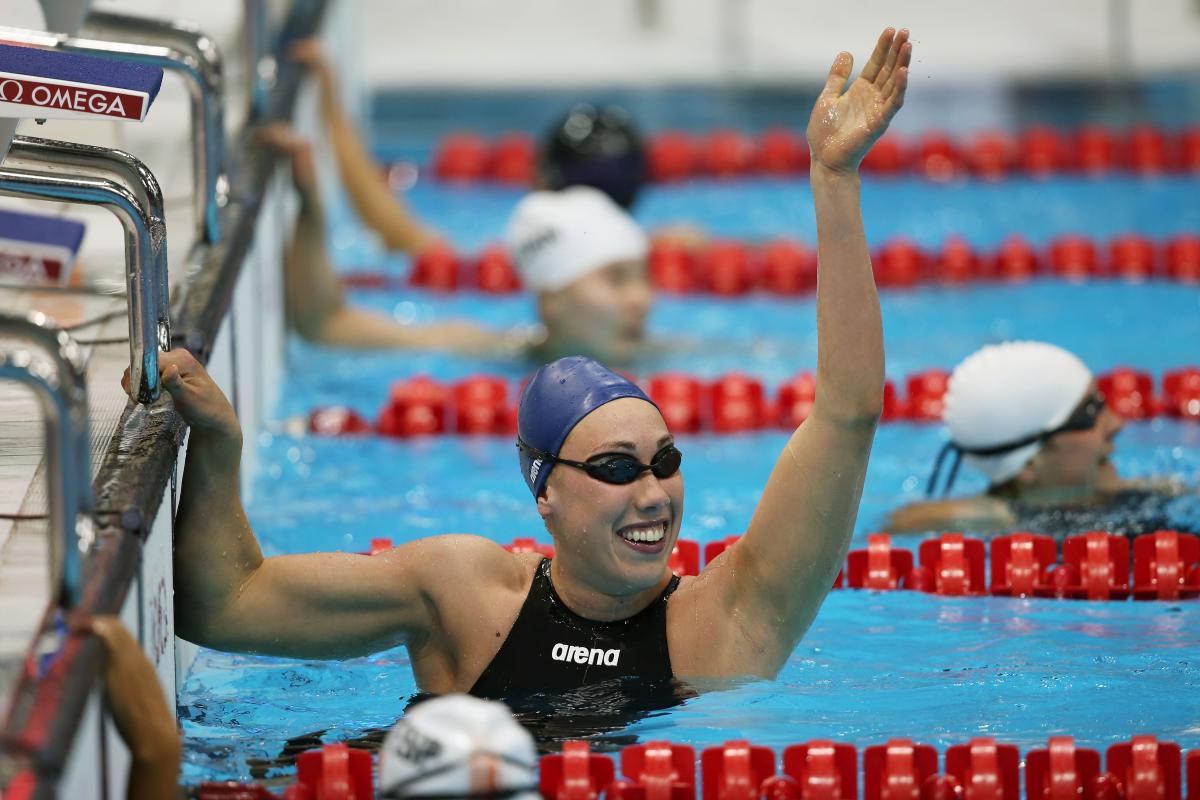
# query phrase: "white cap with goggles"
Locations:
[[1004, 400]]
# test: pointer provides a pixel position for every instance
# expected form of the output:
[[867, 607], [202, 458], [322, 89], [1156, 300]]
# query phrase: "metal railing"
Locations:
[[119, 182], [134, 478], [47, 360], [176, 47]]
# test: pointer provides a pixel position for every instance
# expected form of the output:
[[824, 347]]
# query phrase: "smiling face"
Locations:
[[601, 314], [1077, 459], [614, 539]]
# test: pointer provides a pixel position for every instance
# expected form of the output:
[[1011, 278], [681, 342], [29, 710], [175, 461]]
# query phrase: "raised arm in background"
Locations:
[[316, 303], [362, 176]]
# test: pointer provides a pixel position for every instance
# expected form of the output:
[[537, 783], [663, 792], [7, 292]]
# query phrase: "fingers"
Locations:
[[894, 51], [839, 74], [897, 81], [125, 382], [306, 51], [173, 366], [892, 57], [279, 135], [108, 629], [172, 379], [879, 56]]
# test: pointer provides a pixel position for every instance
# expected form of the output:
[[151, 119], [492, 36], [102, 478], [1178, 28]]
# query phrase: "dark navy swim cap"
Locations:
[[558, 396], [597, 148]]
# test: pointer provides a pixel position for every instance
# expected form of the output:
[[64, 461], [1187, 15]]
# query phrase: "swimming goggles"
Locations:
[[617, 468], [1083, 418]]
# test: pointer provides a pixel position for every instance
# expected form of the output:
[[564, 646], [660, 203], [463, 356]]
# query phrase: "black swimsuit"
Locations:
[[1127, 512], [552, 649]]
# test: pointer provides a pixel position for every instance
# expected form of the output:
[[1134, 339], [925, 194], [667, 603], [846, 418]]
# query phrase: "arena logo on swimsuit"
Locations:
[[585, 655]]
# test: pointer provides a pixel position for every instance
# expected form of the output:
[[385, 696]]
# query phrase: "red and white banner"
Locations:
[[31, 96], [32, 262]]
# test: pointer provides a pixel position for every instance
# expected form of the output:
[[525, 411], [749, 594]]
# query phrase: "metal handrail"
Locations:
[[261, 67], [178, 47], [44, 358], [119, 182]]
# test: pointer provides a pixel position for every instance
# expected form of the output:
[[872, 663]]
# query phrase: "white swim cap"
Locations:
[[1008, 392], [558, 237], [458, 746]]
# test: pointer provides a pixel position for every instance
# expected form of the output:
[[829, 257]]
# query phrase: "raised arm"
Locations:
[[373, 199], [227, 596], [786, 563], [316, 303]]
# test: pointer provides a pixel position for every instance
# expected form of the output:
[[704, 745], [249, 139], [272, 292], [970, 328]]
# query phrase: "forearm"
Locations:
[[215, 549], [156, 778], [372, 197], [311, 288], [849, 326]]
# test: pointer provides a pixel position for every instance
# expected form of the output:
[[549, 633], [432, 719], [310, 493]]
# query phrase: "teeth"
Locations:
[[648, 535]]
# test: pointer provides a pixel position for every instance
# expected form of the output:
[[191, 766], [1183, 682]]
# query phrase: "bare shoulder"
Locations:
[[461, 560], [971, 513]]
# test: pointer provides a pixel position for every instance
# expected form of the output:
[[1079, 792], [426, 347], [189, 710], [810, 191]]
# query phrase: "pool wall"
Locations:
[[58, 738]]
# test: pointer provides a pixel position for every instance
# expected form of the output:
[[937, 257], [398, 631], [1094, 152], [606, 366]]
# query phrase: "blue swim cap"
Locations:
[[558, 396]]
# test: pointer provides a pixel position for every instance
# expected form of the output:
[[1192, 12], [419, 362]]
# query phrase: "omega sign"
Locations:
[[67, 98]]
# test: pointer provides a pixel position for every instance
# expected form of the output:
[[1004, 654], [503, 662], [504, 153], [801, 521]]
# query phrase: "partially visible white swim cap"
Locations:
[[1008, 392], [557, 237], [458, 746]]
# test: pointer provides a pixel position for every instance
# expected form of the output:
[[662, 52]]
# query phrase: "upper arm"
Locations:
[[338, 605], [787, 561]]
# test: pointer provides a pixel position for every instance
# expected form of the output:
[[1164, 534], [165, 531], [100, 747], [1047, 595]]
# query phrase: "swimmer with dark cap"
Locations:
[[605, 473]]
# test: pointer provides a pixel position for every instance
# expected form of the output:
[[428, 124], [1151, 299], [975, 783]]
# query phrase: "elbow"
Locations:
[[860, 414], [855, 402]]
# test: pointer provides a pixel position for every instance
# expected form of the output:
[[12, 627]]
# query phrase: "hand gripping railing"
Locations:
[[47, 360], [178, 47], [122, 184]]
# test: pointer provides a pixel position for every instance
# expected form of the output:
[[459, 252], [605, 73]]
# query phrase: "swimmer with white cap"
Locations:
[[576, 248], [1029, 417], [581, 254], [605, 475], [458, 746]]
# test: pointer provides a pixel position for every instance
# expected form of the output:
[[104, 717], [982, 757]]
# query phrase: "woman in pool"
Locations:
[[588, 272], [582, 256], [1029, 417], [604, 472]]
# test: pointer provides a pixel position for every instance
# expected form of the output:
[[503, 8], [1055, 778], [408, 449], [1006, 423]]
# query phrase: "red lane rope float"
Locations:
[[733, 403], [1038, 152], [1095, 565], [785, 267], [1142, 768]]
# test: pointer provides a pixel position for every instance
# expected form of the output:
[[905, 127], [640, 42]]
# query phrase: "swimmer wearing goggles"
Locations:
[[1083, 418], [617, 468], [477, 618]]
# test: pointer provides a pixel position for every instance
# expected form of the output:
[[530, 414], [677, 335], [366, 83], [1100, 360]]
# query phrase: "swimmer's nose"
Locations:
[[650, 494], [639, 299], [1113, 423]]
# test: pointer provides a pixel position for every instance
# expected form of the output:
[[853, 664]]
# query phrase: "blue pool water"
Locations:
[[873, 666]]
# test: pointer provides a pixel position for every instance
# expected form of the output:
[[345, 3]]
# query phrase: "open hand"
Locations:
[[197, 397], [846, 122]]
